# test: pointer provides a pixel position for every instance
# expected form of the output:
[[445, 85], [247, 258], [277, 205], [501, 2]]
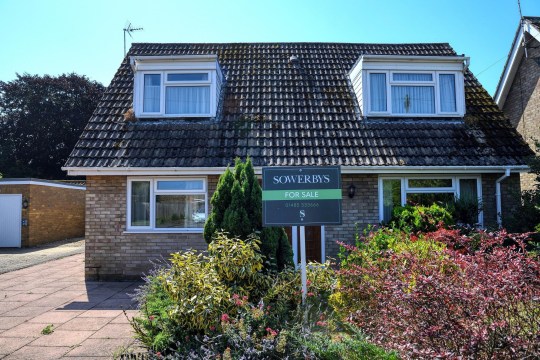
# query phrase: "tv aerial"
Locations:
[[128, 29]]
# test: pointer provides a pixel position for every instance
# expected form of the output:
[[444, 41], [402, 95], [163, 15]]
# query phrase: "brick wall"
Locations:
[[358, 212], [114, 253], [522, 104], [53, 213], [510, 197]]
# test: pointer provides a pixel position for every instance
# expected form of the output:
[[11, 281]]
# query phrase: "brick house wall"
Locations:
[[522, 103], [113, 253], [510, 197], [53, 213], [359, 212]]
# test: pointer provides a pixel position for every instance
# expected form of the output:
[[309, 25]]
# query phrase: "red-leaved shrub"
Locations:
[[476, 299]]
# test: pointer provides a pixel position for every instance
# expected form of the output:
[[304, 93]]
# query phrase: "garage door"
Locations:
[[10, 220]]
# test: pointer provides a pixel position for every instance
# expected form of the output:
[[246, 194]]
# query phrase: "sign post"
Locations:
[[301, 196]]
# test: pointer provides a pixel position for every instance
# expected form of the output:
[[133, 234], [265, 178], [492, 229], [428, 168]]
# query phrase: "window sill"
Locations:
[[165, 231]]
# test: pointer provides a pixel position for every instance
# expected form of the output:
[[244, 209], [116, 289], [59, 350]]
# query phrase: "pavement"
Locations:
[[15, 258], [87, 317]]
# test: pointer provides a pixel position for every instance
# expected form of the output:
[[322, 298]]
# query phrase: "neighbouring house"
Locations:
[[35, 212], [406, 122], [518, 91]]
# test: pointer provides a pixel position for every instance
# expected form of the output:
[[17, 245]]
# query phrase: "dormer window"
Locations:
[[410, 86], [181, 86]]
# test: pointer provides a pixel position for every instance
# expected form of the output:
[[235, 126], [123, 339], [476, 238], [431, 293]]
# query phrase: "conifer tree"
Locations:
[[237, 209]]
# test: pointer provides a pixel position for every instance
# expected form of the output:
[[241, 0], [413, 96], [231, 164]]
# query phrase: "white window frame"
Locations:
[[435, 83], [139, 93], [153, 193], [405, 189]]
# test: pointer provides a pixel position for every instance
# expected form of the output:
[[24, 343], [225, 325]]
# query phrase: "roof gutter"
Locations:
[[153, 171], [498, 196]]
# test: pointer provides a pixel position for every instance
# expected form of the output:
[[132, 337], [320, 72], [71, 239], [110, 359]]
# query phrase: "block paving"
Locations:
[[87, 316]]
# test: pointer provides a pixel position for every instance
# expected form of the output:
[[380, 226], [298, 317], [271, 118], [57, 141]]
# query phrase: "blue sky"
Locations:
[[60, 36]]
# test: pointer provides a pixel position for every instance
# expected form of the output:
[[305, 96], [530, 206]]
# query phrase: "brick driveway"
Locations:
[[87, 317]]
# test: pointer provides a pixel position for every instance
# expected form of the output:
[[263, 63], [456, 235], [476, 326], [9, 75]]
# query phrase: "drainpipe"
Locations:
[[498, 196]]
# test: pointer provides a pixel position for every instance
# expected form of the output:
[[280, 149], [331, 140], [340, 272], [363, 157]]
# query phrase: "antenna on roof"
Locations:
[[522, 24], [129, 29]]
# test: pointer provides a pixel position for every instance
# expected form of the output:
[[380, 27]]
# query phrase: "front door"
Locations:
[[313, 242]]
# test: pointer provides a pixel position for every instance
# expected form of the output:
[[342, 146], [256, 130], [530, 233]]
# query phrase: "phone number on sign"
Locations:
[[302, 204]]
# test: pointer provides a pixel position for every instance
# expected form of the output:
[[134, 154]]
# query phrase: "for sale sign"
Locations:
[[301, 196]]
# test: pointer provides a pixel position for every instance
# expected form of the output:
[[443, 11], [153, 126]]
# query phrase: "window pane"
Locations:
[[180, 211], [391, 197], [447, 87], [180, 185], [413, 100], [152, 87], [140, 203], [188, 77], [187, 100], [377, 91], [412, 77], [428, 199], [430, 183], [468, 189]]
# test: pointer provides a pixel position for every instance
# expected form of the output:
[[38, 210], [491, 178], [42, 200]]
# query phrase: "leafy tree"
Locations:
[[237, 210], [41, 118]]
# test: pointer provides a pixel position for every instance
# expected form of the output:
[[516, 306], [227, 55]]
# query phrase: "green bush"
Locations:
[[237, 210], [420, 218]]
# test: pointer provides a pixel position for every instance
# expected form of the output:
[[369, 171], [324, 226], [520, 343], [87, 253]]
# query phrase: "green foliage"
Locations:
[[420, 218], [344, 346], [465, 210], [237, 210], [526, 217], [47, 330], [41, 118]]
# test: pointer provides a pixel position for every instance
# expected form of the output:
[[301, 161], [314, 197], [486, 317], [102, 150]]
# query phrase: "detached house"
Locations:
[[518, 92], [406, 122]]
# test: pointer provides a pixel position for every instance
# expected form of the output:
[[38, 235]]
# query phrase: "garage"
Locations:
[[10, 220], [35, 211]]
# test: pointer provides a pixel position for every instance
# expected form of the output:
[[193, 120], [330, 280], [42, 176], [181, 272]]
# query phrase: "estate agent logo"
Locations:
[[301, 196]]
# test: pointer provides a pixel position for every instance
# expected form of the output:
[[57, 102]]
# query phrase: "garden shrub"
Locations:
[[237, 210], [476, 299], [222, 305], [420, 218]]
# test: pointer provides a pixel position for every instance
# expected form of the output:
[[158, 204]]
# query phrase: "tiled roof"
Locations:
[[281, 115], [534, 20]]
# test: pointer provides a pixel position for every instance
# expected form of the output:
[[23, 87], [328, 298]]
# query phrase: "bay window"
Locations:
[[399, 191], [166, 204]]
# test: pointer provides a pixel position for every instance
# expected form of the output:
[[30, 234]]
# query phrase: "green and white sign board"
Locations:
[[301, 196]]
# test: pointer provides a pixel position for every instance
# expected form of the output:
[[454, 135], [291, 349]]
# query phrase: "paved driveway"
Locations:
[[14, 259], [87, 316]]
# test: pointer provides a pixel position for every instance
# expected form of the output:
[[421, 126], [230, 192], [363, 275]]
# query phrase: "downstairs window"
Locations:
[[166, 204], [399, 191]]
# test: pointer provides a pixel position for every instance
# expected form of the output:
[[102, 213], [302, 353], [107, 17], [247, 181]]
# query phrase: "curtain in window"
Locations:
[[152, 87], [413, 100], [447, 87], [377, 91], [187, 100], [412, 77], [391, 197], [140, 203], [468, 190]]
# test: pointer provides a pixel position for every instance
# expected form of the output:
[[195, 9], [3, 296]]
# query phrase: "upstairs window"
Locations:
[[168, 88], [412, 93], [409, 86]]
